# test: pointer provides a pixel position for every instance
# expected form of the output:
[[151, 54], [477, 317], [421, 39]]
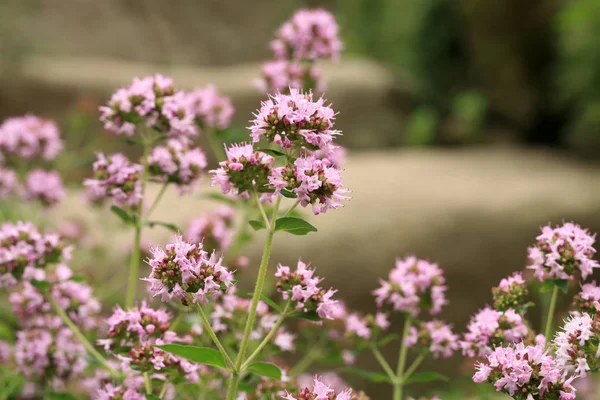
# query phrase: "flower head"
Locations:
[[308, 35], [511, 293], [45, 186], [562, 251], [245, 169], [281, 75], [414, 286], [320, 391], [525, 371], [302, 288], [585, 300], [9, 184], [435, 337], [211, 110], [153, 102], [30, 136], [366, 328], [294, 120], [313, 181], [116, 177], [177, 163], [183, 269], [490, 328], [577, 345], [214, 229]]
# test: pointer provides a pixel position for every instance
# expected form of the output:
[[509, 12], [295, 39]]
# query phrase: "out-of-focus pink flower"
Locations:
[[44, 186], [30, 136], [281, 75], [211, 110], [319, 391], [178, 163], [115, 177], [9, 184], [214, 229], [435, 337]]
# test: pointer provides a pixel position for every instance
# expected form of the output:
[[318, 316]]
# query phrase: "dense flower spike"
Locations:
[[315, 182], [176, 162], [511, 293], [435, 337], [525, 373], [9, 185], [560, 252], [75, 298], [116, 177], [281, 75], [302, 288], [577, 345], [183, 269], [294, 119], [52, 357], [25, 252], [214, 229], [308, 35], [153, 102], [44, 186], [30, 136], [414, 286], [366, 327], [211, 110], [584, 301], [490, 328], [320, 391], [244, 170]]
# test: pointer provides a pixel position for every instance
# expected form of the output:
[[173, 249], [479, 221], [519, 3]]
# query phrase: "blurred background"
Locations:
[[469, 123]]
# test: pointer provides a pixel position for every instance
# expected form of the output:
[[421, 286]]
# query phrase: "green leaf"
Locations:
[[61, 396], [152, 397], [125, 217], [203, 355], [311, 146], [289, 194], [265, 369], [387, 339], [424, 377], [42, 286], [311, 316], [169, 226], [550, 284], [375, 377], [271, 303], [271, 152], [221, 198], [295, 226], [257, 225]]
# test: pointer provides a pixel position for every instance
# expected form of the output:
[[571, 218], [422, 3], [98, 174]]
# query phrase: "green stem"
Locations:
[[262, 210], [213, 336], [147, 383], [413, 367], [260, 282], [402, 359], [134, 265], [313, 354], [551, 310], [292, 208], [163, 390], [215, 144], [384, 364], [234, 381], [267, 338], [157, 199], [88, 346]]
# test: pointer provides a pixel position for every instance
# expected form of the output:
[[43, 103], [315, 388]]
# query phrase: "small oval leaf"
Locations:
[[265, 369], [257, 225], [375, 377], [125, 217], [203, 355], [424, 377], [295, 226]]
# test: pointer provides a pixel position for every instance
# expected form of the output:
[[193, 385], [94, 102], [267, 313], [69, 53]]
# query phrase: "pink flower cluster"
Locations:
[[115, 176], [525, 372], [214, 229], [434, 337], [131, 389], [302, 288], [56, 357], [577, 345], [294, 120], [511, 293], [177, 162], [25, 253], [308, 35], [75, 298], [367, 327], [283, 75], [586, 299], [183, 268], [314, 182], [244, 170], [45, 186], [211, 110], [132, 335], [30, 136], [490, 328], [153, 102], [562, 251], [9, 184], [320, 391], [414, 286]]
